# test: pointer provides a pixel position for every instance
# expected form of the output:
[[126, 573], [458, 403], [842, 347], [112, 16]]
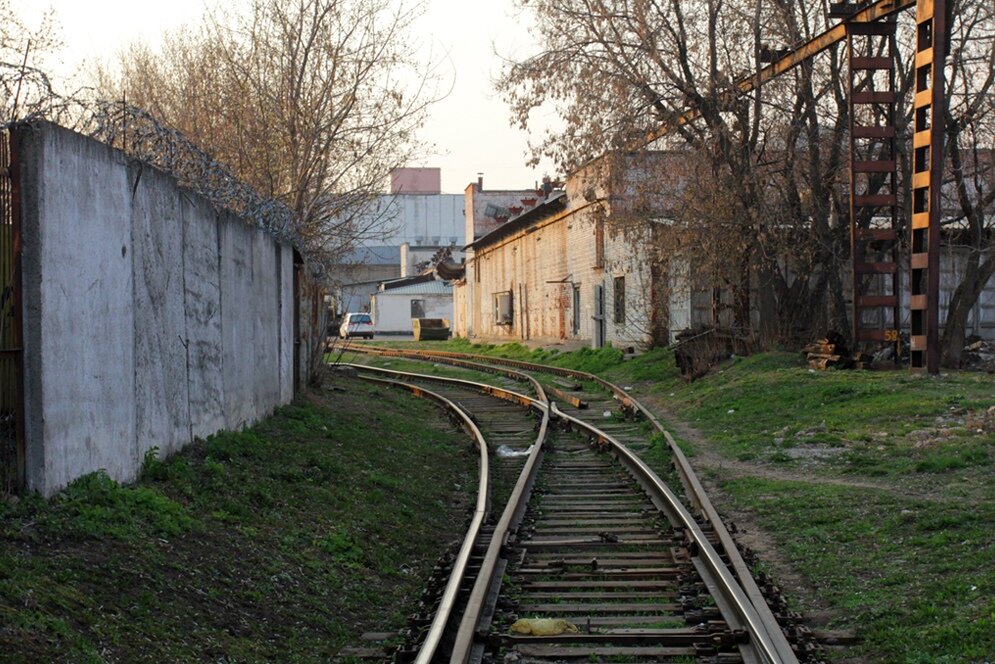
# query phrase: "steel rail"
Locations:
[[511, 516], [442, 615], [493, 390], [692, 485], [767, 640], [456, 361]]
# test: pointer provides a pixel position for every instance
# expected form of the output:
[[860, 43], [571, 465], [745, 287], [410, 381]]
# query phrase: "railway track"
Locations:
[[618, 564]]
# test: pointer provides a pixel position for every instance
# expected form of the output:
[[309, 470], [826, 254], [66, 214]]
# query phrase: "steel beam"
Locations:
[[927, 179], [818, 44]]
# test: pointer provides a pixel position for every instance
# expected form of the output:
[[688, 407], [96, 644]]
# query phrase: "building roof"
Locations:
[[424, 288], [401, 282], [556, 202]]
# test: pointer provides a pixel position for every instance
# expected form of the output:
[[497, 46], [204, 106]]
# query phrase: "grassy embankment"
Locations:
[[279, 543], [877, 487]]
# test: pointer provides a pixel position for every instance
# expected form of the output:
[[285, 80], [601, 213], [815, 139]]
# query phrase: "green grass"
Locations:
[[417, 366], [877, 486], [585, 359], [914, 577], [278, 543]]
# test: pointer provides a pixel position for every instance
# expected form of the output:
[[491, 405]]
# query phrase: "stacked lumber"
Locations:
[[828, 352]]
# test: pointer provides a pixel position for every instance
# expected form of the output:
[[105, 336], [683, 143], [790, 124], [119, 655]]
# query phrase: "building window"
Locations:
[[417, 308], [620, 300], [502, 308]]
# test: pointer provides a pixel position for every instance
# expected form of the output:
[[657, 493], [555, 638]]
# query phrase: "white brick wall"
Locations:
[[540, 267]]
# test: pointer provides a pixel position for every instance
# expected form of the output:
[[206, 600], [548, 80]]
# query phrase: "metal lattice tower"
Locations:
[[927, 179]]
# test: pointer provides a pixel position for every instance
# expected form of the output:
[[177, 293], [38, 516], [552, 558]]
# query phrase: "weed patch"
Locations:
[[889, 514], [278, 543]]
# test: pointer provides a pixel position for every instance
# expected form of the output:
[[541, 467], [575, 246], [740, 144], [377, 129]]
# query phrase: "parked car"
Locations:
[[356, 325]]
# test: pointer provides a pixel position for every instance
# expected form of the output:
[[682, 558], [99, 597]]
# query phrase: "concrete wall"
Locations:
[[150, 319]]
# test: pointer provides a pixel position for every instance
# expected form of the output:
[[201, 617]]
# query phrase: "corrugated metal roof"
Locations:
[[426, 288], [557, 201]]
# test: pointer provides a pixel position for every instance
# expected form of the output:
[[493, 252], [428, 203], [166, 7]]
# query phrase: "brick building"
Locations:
[[571, 266], [579, 264]]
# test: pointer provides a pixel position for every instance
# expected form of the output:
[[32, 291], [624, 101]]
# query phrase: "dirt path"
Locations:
[[749, 532]]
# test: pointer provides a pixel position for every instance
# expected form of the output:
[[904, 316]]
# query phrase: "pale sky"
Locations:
[[470, 128]]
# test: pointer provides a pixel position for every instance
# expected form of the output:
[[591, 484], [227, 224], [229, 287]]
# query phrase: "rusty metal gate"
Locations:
[[11, 406]]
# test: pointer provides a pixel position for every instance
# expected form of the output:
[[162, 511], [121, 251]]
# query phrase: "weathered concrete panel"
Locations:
[[237, 326], [82, 260], [30, 146], [285, 270], [266, 333], [162, 405], [202, 303], [148, 320]]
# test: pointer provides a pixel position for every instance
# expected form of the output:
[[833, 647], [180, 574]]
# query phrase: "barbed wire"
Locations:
[[30, 97]]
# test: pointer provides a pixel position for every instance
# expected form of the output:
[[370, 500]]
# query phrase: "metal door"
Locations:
[[576, 310], [599, 316], [11, 358]]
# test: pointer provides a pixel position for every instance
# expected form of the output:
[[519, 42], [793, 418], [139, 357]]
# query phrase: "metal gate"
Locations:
[[11, 405]]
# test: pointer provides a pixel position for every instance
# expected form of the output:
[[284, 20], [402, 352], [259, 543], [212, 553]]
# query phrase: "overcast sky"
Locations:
[[469, 129]]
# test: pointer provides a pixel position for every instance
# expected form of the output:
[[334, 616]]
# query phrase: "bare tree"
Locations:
[[764, 195], [756, 163], [311, 102], [25, 88], [969, 190]]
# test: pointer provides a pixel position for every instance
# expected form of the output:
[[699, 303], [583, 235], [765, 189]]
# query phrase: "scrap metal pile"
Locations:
[[979, 356]]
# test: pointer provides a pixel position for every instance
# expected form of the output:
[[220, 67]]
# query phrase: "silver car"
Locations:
[[356, 325]]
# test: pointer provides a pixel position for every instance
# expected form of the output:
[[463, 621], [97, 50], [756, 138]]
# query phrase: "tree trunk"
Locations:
[[967, 293]]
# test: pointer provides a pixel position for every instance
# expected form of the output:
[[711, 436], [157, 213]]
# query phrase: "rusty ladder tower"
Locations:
[[932, 26], [874, 242]]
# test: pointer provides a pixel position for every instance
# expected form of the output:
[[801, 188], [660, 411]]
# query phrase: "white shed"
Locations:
[[394, 308]]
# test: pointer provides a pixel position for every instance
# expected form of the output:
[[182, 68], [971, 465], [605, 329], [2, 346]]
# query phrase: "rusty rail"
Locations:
[[510, 517], [692, 485], [454, 360], [766, 636]]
